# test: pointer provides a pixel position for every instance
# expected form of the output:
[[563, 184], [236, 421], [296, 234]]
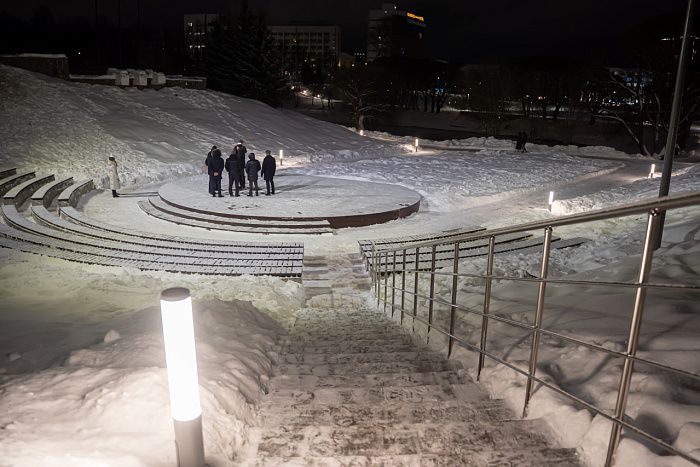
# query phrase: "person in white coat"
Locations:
[[113, 177]]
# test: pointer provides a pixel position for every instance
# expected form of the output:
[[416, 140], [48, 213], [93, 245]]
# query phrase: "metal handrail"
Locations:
[[379, 266], [680, 200]]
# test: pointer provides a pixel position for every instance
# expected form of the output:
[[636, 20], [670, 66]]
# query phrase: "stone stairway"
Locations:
[[352, 388]]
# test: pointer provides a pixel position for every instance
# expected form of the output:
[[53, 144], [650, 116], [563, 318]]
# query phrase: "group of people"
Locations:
[[239, 168]]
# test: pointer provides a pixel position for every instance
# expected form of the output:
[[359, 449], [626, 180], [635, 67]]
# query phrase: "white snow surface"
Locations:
[[82, 381]]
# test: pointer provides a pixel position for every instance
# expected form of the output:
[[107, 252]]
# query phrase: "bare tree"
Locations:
[[360, 94]]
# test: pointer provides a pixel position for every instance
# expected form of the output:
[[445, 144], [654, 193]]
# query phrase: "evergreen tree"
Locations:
[[241, 59]]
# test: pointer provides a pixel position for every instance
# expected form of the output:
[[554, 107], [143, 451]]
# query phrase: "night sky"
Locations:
[[458, 30]]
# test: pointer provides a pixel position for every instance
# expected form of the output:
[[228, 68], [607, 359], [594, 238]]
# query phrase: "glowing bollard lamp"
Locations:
[[416, 144], [652, 171], [181, 361], [551, 200]]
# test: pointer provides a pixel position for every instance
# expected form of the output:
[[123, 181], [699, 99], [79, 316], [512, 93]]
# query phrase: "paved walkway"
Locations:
[[353, 389]]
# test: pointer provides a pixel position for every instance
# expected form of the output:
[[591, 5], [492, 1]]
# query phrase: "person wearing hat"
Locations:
[[252, 168], [268, 172], [114, 184]]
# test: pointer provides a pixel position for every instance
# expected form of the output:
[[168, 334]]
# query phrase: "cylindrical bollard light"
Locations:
[[281, 156], [362, 132], [652, 171], [416, 144], [551, 199], [183, 383]]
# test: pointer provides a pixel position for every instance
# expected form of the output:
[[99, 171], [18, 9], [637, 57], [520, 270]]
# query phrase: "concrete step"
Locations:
[[334, 346], [508, 458], [366, 368], [321, 358], [372, 397], [477, 440], [487, 412], [366, 380], [360, 348]]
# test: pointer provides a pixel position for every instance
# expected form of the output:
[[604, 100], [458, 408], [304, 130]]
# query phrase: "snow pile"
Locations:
[[685, 179], [107, 402], [492, 144]]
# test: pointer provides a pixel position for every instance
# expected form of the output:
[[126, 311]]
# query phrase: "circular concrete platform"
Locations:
[[343, 203]]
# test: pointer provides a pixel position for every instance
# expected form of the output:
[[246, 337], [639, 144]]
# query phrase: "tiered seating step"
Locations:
[[45, 195], [157, 208]]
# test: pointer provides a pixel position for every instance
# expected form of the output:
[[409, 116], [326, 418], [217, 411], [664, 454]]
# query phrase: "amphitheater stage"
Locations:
[[298, 198]]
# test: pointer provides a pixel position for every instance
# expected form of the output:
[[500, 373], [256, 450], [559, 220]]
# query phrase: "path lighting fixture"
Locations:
[[416, 144], [281, 156], [551, 200], [652, 171], [181, 362], [362, 132]]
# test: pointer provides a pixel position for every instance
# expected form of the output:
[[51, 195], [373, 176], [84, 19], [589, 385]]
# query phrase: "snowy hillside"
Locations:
[[82, 378]]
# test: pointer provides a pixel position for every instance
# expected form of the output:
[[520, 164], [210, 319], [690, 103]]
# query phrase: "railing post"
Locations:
[[386, 277], [393, 286], [415, 289], [633, 339], [377, 274], [403, 283], [453, 307], [538, 316], [432, 294], [487, 305]]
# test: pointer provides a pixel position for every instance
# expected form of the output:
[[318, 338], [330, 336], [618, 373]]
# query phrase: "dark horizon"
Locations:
[[457, 32]]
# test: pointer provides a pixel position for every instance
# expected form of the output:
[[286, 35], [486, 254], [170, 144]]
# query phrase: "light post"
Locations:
[[652, 171], [551, 200], [672, 137], [281, 156], [183, 384], [416, 144]]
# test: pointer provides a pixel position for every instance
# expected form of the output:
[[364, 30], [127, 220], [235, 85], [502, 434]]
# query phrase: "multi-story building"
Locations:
[[197, 27], [395, 33], [313, 49]]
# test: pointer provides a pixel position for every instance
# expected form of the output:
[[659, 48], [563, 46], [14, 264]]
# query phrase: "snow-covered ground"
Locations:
[[81, 366]]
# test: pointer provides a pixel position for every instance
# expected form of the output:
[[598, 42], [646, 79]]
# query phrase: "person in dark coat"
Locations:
[[252, 168], [216, 168], [207, 161], [519, 141], [234, 174], [240, 150], [524, 142], [268, 172]]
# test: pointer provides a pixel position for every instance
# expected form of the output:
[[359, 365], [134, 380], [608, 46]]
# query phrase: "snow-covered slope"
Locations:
[[71, 129]]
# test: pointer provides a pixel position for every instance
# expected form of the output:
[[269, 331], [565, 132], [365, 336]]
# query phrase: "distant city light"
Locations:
[[414, 16]]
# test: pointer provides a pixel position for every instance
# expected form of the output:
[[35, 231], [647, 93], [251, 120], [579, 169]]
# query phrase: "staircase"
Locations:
[[353, 389]]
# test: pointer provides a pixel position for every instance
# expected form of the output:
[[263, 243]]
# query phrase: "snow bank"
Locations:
[[91, 389]]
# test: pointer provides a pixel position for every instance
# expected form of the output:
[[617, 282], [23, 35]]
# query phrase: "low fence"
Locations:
[[389, 285]]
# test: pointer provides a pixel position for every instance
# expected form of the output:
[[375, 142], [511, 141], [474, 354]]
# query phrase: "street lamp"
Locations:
[[183, 384]]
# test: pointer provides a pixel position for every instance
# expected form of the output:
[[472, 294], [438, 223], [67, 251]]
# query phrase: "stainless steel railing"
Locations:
[[382, 257]]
